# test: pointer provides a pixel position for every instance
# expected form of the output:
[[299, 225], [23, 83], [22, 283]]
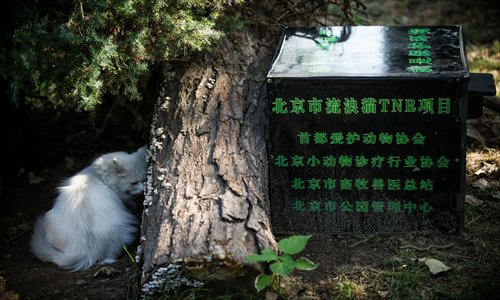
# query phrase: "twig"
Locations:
[[360, 242], [426, 248], [107, 117], [294, 12], [81, 10], [461, 256]]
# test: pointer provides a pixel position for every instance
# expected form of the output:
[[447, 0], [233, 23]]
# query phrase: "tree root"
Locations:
[[426, 248]]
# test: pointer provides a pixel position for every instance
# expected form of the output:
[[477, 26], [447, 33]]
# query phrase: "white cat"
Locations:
[[89, 222]]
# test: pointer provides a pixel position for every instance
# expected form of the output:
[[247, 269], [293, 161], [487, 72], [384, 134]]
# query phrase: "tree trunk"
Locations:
[[207, 204]]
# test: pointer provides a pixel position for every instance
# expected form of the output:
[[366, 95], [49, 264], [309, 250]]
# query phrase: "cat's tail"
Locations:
[[42, 249], [39, 244]]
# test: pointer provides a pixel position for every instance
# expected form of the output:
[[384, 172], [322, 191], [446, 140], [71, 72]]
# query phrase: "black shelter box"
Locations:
[[368, 129]]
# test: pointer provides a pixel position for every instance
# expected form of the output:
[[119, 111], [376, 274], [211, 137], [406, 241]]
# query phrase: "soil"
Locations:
[[44, 146]]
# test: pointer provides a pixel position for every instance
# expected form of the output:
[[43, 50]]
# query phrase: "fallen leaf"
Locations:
[[479, 172], [481, 183], [487, 168], [436, 266], [106, 271], [383, 294], [271, 296], [24, 226], [81, 282], [33, 179], [470, 199], [69, 163], [21, 172]]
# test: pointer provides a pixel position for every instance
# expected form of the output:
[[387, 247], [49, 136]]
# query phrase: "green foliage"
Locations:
[[73, 54], [282, 264]]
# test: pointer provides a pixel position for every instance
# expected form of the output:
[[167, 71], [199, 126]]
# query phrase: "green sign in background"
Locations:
[[363, 156], [367, 129]]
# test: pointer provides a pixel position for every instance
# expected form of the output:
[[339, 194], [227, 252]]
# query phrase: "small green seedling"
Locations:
[[282, 264]]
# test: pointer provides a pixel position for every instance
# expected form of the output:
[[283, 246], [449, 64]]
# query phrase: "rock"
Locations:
[[81, 282], [469, 199]]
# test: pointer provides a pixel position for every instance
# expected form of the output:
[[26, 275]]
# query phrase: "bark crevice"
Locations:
[[207, 206]]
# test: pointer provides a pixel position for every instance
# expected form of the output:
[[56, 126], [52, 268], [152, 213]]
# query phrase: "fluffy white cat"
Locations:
[[89, 222]]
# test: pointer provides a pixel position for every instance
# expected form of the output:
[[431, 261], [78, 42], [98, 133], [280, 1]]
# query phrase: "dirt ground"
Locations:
[[55, 146]]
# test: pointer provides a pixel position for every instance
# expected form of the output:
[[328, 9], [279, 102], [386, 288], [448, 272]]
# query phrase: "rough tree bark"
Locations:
[[207, 204]]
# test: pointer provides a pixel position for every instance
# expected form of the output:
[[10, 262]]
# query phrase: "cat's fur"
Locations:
[[89, 222]]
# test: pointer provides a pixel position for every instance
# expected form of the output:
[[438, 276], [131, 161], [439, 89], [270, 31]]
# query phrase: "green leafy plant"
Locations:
[[282, 264], [70, 54]]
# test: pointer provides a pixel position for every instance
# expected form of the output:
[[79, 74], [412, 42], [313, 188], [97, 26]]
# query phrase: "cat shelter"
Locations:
[[368, 129]]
